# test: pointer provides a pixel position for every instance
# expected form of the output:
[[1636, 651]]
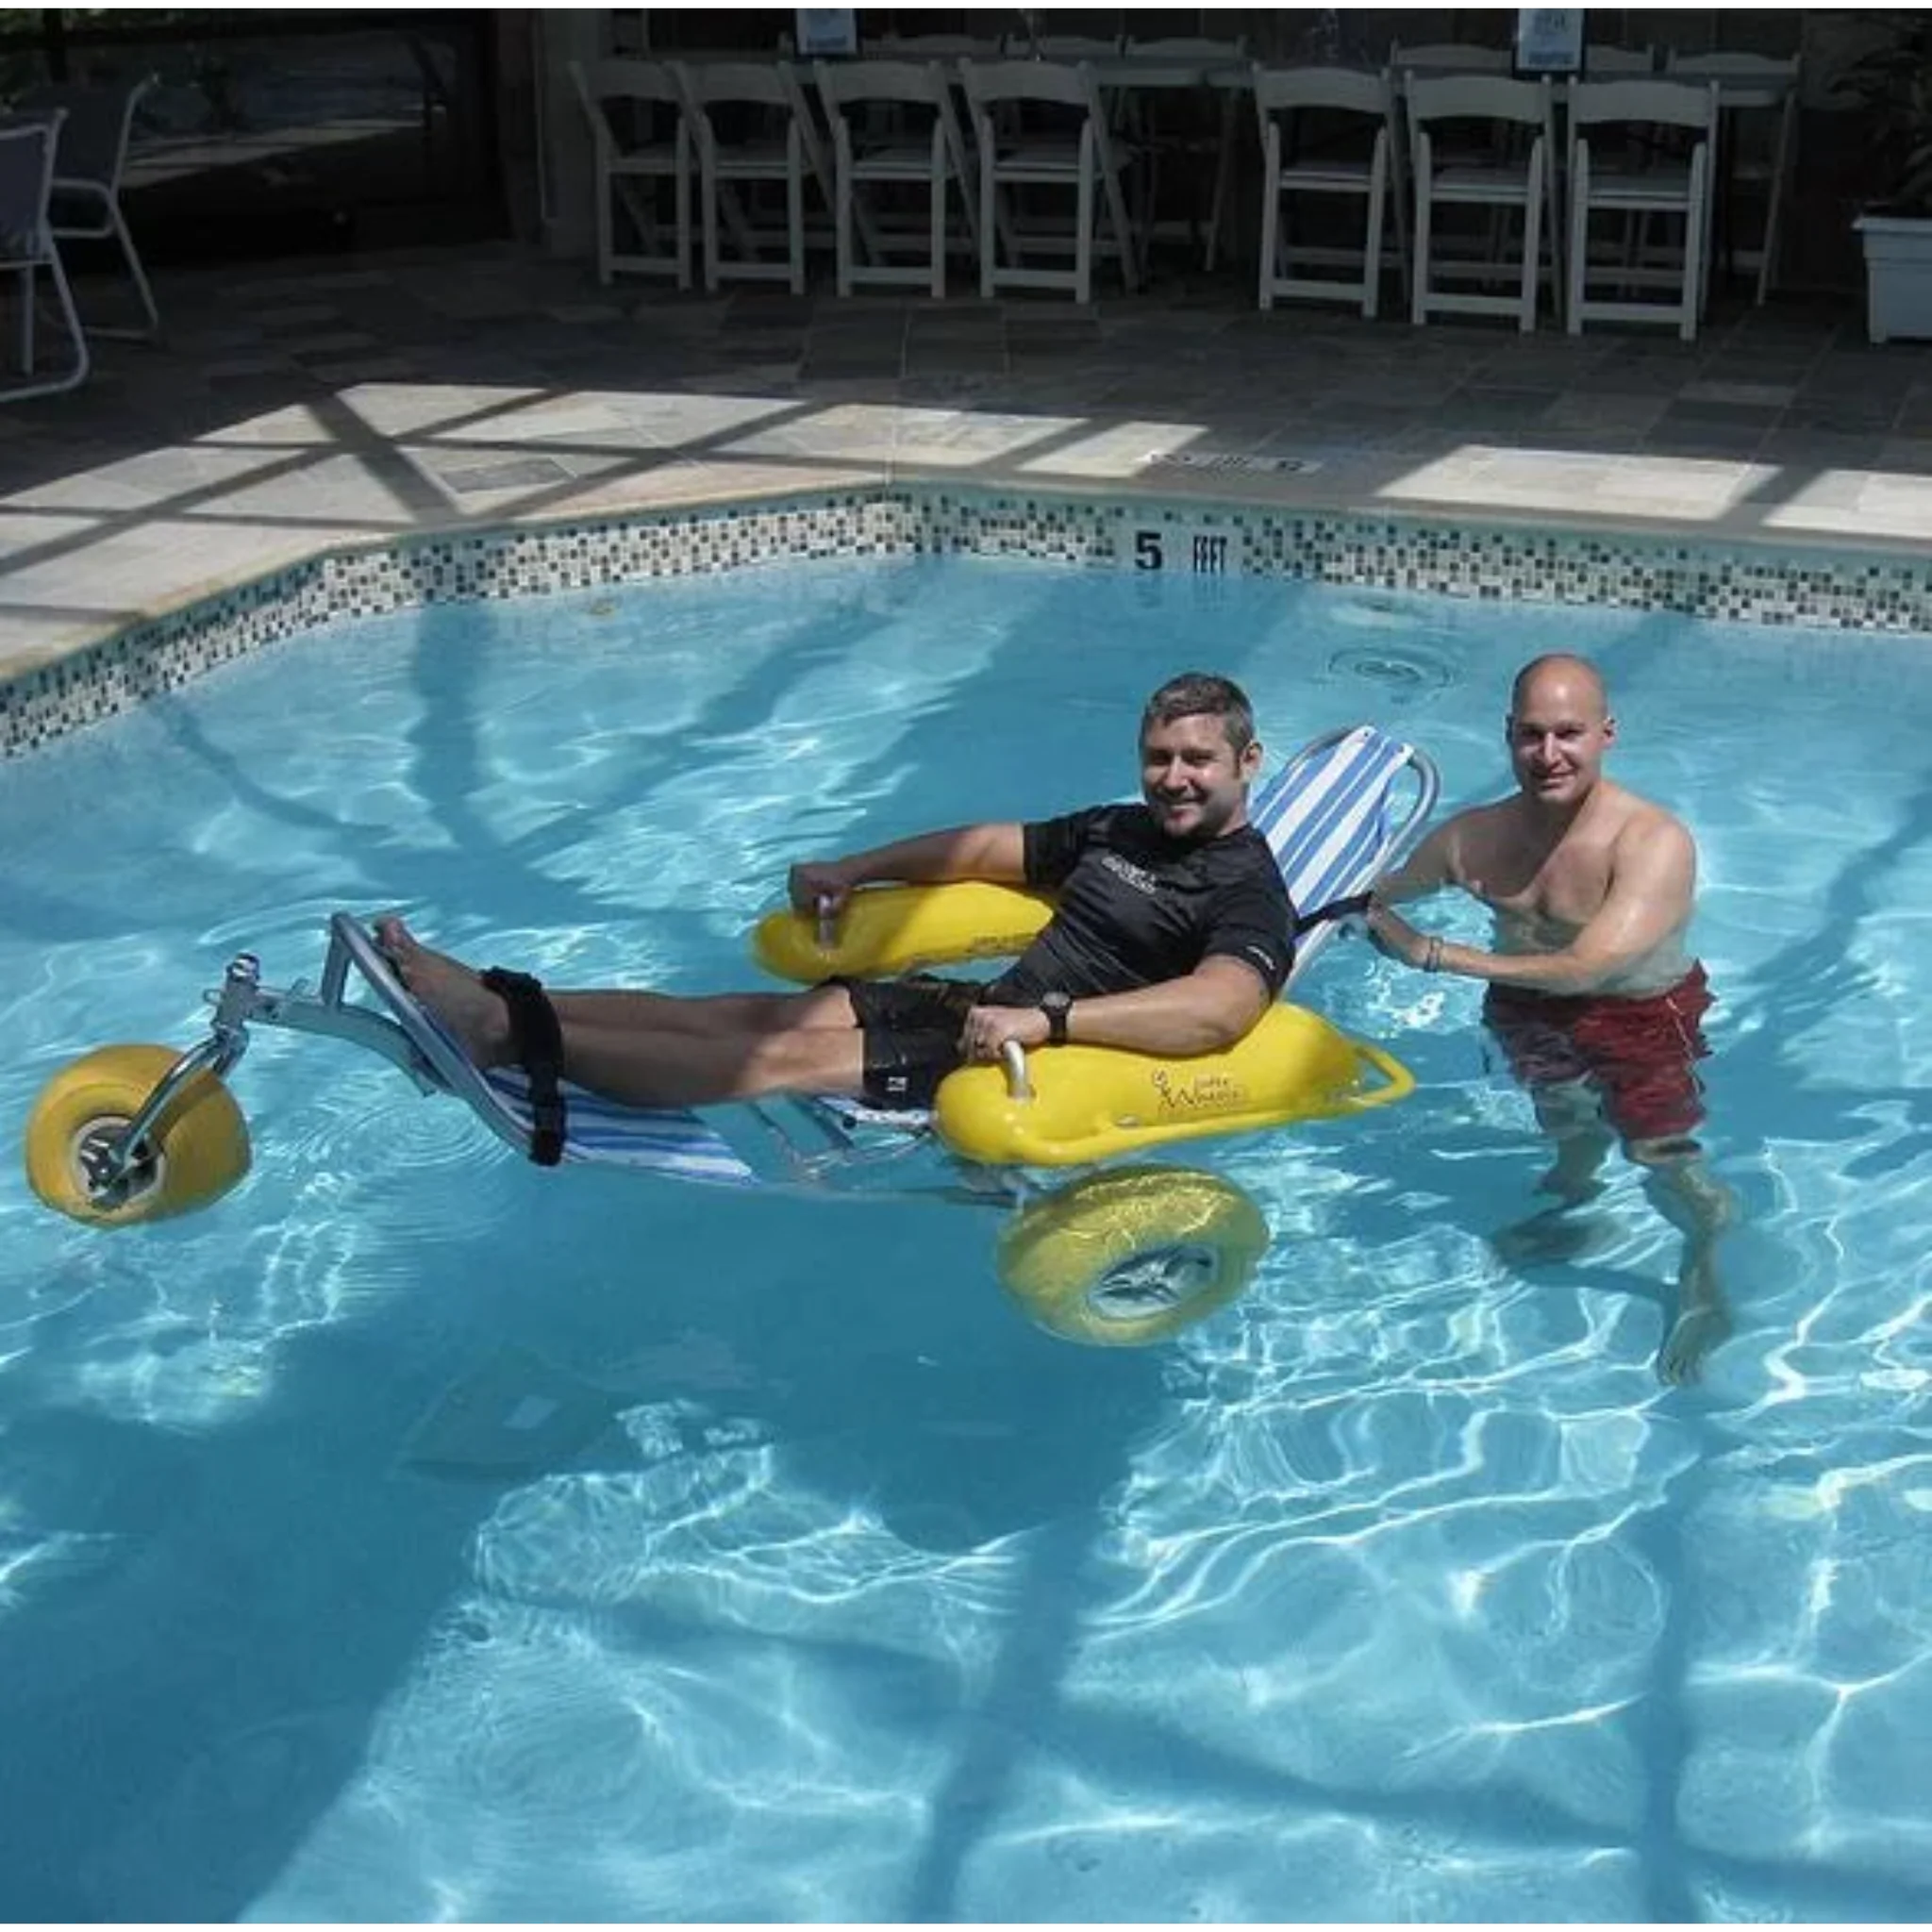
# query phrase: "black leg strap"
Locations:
[[538, 1042]]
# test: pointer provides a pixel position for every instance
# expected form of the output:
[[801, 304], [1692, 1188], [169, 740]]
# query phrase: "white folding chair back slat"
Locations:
[[629, 172], [1281, 91], [1601, 63], [1746, 81], [1655, 188], [1494, 180], [1447, 56], [942, 46], [1186, 47], [1074, 47]]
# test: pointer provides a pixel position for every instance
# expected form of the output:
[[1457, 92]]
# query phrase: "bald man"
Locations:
[[1592, 992]]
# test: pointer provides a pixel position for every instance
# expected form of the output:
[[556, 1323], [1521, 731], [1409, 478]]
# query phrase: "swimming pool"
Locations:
[[828, 1587]]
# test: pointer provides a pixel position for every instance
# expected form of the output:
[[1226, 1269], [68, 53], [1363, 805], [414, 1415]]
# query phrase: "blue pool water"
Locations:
[[828, 1586]]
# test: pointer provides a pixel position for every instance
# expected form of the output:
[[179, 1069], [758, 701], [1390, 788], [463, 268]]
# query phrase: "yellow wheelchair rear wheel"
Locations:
[[198, 1149], [1124, 1259]]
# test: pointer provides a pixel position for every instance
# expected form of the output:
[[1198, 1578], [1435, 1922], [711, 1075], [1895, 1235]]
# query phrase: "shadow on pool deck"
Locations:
[[314, 405]]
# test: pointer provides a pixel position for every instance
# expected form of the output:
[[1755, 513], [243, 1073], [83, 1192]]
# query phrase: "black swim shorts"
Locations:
[[912, 1029]]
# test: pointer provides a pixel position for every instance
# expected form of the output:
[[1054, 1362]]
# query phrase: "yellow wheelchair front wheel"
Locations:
[[197, 1151], [1124, 1259]]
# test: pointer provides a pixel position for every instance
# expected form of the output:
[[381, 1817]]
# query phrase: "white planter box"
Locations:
[[1898, 276]]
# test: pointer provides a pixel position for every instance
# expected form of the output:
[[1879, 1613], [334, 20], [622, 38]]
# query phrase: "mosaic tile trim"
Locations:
[[1812, 589]]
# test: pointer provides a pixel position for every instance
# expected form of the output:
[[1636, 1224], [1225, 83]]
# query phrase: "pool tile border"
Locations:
[[1739, 581]]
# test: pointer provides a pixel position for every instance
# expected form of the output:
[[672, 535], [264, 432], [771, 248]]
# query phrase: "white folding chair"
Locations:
[[99, 121], [1749, 83], [633, 160], [1211, 136], [1659, 187], [895, 156], [29, 154], [1289, 91], [766, 96], [1086, 160], [1500, 182]]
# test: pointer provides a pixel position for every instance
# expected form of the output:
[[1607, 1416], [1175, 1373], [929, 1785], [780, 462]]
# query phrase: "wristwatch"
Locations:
[[1056, 1006]]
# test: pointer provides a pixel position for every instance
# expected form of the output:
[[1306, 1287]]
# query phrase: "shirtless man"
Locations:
[[1592, 992]]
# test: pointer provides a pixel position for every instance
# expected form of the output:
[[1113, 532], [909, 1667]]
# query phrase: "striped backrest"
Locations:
[[1331, 816]]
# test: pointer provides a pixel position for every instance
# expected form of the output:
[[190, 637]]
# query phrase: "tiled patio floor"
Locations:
[[317, 404]]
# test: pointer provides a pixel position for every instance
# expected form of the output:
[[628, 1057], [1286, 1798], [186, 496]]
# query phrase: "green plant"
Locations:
[[1891, 81]]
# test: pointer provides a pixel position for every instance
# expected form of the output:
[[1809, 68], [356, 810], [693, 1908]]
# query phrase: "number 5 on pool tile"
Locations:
[[1184, 549]]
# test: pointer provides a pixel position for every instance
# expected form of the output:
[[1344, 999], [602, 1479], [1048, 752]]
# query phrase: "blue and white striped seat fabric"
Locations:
[[661, 1140]]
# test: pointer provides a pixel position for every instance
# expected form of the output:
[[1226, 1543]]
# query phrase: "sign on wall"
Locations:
[[1549, 39], [823, 30]]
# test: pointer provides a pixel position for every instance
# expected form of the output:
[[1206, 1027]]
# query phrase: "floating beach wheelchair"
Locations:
[[1118, 1256]]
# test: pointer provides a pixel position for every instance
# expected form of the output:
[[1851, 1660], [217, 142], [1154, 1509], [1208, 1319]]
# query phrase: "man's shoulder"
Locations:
[[1088, 821], [1475, 828], [1243, 856], [1643, 822]]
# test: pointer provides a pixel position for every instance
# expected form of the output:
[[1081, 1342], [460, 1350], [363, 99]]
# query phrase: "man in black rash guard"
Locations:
[[1172, 935]]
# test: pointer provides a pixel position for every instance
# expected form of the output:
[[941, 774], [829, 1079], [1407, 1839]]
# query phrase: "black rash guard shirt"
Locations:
[[1137, 908]]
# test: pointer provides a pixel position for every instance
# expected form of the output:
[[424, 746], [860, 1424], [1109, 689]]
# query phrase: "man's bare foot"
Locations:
[[1704, 1318], [452, 991], [1692, 1336]]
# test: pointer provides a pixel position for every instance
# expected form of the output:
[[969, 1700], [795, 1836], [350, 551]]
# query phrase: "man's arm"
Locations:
[[996, 851], [1650, 898], [1213, 1007], [1430, 867]]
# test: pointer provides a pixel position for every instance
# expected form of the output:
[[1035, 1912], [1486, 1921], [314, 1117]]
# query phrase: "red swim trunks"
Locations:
[[1638, 1054]]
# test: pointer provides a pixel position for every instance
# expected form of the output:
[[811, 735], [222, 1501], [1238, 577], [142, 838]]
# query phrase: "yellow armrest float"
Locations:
[[1092, 1103], [888, 929]]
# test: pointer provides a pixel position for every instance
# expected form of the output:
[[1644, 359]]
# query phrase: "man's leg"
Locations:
[[1646, 1055], [798, 1042], [1694, 1200], [730, 1012], [1545, 1063], [644, 1067], [1571, 1116]]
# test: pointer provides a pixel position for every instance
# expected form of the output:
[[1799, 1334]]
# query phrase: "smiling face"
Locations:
[[1558, 728], [1193, 780]]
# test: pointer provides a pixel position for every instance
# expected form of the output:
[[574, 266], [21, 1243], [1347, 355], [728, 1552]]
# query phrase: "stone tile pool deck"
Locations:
[[306, 408]]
